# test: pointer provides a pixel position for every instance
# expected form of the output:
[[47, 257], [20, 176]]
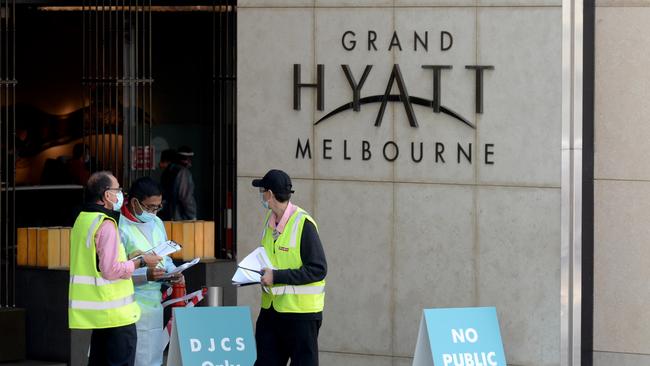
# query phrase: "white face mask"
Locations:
[[265, 204], [117, 206]]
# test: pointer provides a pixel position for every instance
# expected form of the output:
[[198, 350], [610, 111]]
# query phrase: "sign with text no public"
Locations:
[[459, 337], [212, 336]]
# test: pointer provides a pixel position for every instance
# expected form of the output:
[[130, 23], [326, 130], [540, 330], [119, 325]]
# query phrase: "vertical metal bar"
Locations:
[[108, 88], [13, 110], [84, 76], [136, 94], [214, 111], [226, 123], [3, 195], [5, 88], [118, 33], [571, 187], [93, 98], [233, 134], [150, 86], [129, 122], [220, 120], [102, 85]]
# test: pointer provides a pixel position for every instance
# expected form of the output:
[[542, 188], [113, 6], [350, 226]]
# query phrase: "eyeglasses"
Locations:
[[262, 190], [119, 189], [149, 208]]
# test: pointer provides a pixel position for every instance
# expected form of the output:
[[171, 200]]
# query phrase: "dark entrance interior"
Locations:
[[127, 80]]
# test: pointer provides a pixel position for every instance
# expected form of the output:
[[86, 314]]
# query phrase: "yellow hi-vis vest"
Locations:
[[94, 301], [284, 253]]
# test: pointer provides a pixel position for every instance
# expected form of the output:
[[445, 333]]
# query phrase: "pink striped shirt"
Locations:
[[279, 226], [106, 243]]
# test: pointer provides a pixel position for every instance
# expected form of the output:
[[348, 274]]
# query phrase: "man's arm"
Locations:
[[314, 264], [106, 242]]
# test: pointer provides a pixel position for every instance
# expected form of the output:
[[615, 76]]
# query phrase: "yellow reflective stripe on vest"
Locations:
[[294, 229], [90, 280], [101, 305], [297, 290]]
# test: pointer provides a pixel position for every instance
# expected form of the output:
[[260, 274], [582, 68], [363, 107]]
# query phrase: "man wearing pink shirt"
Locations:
[[101, 291], [293, 293]]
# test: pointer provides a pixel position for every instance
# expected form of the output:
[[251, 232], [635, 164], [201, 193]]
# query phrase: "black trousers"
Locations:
[[279, 339], [113, 346]]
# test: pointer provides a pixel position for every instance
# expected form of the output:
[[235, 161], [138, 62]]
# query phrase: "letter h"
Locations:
[[320, 86]]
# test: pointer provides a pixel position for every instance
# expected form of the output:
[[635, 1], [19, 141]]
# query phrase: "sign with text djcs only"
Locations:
[[459, 337], [212, 336]]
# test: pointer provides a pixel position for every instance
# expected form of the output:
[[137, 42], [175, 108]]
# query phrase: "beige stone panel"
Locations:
[[402, 361], [434, 255], [522, 96], [433, 3], [620, 359], [354, 3], [274, 3], [519, 269], [621, 3], [517, 3], [621, 93], [436, 131], [353, 126], [347, 359], [267, 124], [355, 223], [250, 217], [621, 251]]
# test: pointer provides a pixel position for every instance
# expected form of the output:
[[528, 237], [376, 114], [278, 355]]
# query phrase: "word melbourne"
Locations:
[[427, 149]]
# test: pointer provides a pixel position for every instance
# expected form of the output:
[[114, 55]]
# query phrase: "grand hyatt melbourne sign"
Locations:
[[364, 150]]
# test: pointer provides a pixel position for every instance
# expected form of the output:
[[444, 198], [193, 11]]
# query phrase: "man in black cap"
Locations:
[[293, 293], [178, 187]]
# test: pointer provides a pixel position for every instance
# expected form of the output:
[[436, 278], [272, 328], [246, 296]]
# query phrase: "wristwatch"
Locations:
[[142, 262]]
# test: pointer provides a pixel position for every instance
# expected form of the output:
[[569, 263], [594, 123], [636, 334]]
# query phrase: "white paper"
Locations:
[[184, 266], [253, 262], [165, 248]]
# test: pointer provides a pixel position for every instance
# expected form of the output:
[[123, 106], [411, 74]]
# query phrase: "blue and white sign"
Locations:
[[459, 337], [212, 336]]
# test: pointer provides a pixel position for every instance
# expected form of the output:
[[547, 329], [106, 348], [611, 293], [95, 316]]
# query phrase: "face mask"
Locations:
[[117, 206], [145, 216], [265, 204]]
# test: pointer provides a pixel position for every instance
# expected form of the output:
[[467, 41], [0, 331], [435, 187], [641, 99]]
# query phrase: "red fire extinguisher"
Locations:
[[178, 291]]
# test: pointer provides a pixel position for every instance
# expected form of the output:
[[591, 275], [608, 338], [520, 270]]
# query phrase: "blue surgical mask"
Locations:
[[145, 216], [117, 206], [265, 204]]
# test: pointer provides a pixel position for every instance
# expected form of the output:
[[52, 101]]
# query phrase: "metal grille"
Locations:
[[7, 153], [224, 118], [117, 83]]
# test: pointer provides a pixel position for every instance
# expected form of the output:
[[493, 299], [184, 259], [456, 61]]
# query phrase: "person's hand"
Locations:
[[267, 278], [151, 259], [154, 274], [135, 253], [178, 278]]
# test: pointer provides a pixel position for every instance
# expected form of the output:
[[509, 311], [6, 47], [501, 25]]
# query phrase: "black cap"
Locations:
[[275, 180]]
